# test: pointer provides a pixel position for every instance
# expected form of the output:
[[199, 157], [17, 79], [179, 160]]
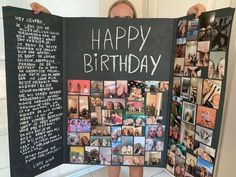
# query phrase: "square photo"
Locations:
[[187, 135], [96, 87], [136, 90], [206, 23], [76, 154], [91, 155], [117, 160], [153, 104], [176, 86], [96, 99], [204, 168], [73, 106], [206, 117]]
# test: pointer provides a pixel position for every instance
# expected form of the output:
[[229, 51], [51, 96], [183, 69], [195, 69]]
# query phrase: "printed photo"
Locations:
[[190, 54], [189, 113], [114, 104], [100, 141], [204, 168], [216, 68], [155, 131], [109, 89], [81, 87], [92, 155], [206, 22], [179, 66], [153, 104], [136, 90], [192, 71], [127, 145], [96, 99], [211, 93], [96, 116], [222, 30], [164, 86], [116, 133], [96, 86], [133, 119], [206, 117], [79, 139], [187, 135], [76, 154], [105, 156], [203, 135], [132, 131], [73, 106], [179, 169], [79, 125], [177, 148], [139, 145], [192, 30], [196, 90], [152, 86], [121, 89], [185, 87], [152, 158], [190, 165], [205, 152], [117, 160], [116, 147], [170, 166], [84, 107], [174, 132], [180, 48], [203, 53], [182, 28], [133, 160], [112, 117], [135, 107]]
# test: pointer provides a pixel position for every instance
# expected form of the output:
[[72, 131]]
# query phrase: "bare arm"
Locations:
[[37, 8], [196, 10]]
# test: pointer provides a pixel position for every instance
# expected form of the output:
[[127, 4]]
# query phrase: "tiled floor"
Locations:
[[148, 172]]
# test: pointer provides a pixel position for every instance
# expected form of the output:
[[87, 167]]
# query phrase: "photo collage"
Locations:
[[116, 122], [198, 77]]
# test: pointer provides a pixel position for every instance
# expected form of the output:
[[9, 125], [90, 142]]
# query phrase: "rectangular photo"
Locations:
[[96, 99], [81, 87], [121, 89], [136, 90], [190, 164], [203, 48], [192, 71], [196, 90], [135, 107], [204, 168], [192, 32], [205, 152], [91, 155], [105, 155], [139, 145], [152, 86], [77, 154], [153, 104], [127, 145], [182, 28], [179, 66], [134, 119], [187, 135], [117, 160], [176, 86], [153, 120], [206, 117], [170, 165], [96, 116], [180, 48], [100, 141], [109, 90], [206, 23], [133, 160], [101, 131], [203, 135], [190, 54], [185, 87], [96, 87], [79, 139], [116, 133], [112, 117], [84, 107], [114, 104], [73, 106], [189, 113], [152, 158]]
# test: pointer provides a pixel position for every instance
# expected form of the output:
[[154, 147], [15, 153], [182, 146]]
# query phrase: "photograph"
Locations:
[[96, 116], [116, 133], [117, 160], [192, 30], [216, 67], [112, 117], [84, 107], [76, 154], [121, 89], [192, 71], [139, 145], [176, 107], [109, 89], [185, 87], [96, 87], [170, 165], [177, 148], [132, 131], [136, 90], [96, 99], [114, 104], [155, 131], [98, 141], [190, 164], [152, 158], [205, 152], [179, 66], [196, 90], [179, 169], [187, 135], [134, 107], [133, 160], [79, 125], [182, 28], [73, 106], [189, 113], [79, 139], [176, 86], [190, 53], [91, 156], [81, 87], [101, 131], [203, 135], [105, 156], [206, 22], [221, 33], [153, 120], [180, 47], [153, 104], [206, 117], [133, 119], [152, 86], [211, 93], [203, 53], [127, 145], [204, 168]]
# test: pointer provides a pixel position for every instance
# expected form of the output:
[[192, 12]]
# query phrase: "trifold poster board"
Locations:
[[132, 92]]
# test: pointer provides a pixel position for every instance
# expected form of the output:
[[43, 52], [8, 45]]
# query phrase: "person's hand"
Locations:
[[196, 10], [37, 8]]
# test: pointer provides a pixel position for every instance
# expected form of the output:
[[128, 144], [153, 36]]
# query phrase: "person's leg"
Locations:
[[113, 171], [136, 171]]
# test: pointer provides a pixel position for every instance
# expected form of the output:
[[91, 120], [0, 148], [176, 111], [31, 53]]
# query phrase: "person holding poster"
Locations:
[[123, 9]]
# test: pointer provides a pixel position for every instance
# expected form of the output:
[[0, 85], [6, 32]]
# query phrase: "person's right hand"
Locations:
[[37, 8]]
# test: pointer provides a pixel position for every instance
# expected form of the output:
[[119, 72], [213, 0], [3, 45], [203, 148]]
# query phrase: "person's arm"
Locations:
[[196, 10], [37, 8]]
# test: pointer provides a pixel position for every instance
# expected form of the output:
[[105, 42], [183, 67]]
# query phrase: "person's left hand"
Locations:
[[196, 10]]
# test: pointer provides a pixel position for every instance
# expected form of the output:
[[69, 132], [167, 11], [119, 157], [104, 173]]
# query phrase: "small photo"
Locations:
[[96, 86], [203, 135], [179, 67], [81, 87], [114, 104], [192, 71], [96, 116], [196, 90], [170, 166], [109, 89], [190, 54], [158, 145], [73, 106], [180, 48], [100, 141], [100, 131], [206, 22], [190, 164], [206, 117], [204, 168], [222, 30], [176, 86], [127, 145], [116, 134], [152, 158], [121, 89], [84, 107], [182, 28], [132, 131], [174, 132], [179, 169], [79, 125], [92, 155], [189, 113], [187, 135], [192, 30], [153, 120], [152, 86], [177, 148], [164, 86], [203, 53], [76, 154], [185, 87], [135, 107], [105, 156], [96, 99], [117, 160], [136, 90], [205, 152], [211, 93], [216, 67], [112, 117], [79, 139], [133, 119], [176, 107], [155, 131], [133, 160], [139, 145], [116, 147], [153, 104]]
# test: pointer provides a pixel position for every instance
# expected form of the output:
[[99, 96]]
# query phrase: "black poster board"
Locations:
[[133, 92]]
